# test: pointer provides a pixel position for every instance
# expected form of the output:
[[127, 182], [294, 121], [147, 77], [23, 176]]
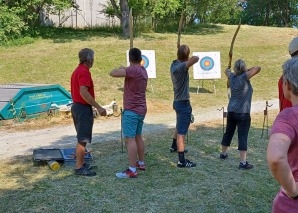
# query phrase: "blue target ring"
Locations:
[[145, 61], [206, 63]]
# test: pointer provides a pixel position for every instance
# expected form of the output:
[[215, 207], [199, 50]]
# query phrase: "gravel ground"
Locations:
[[105, 129]]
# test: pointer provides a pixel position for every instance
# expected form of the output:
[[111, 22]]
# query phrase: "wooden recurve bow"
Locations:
[[231, 52], [179, 28]]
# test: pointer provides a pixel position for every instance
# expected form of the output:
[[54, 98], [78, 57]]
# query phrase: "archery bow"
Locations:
[[231, 52], [179, 29], [232, 44]]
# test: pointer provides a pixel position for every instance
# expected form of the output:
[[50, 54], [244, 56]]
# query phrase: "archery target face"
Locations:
[[145, 61], [148, 61], [208, 66], [206, 63]]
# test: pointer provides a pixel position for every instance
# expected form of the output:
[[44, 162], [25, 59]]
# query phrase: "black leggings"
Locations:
[[242, 122]]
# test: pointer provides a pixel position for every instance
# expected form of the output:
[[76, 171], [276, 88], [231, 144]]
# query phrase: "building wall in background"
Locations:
[[87, 15]]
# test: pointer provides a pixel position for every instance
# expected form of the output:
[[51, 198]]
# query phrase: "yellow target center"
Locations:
[[207, 63], [142, 62]]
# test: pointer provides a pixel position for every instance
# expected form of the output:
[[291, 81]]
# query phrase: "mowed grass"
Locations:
[[52, 59], [213, 186]]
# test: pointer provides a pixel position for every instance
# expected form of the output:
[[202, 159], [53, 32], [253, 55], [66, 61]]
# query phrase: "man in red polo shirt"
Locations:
[[82, 92], [283, 102]]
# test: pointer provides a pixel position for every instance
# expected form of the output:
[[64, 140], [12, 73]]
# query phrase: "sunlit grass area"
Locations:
[[213, 186], [51, 61]]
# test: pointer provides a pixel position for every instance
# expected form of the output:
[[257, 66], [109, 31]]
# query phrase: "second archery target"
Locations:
[[148, 61], [208, 66]]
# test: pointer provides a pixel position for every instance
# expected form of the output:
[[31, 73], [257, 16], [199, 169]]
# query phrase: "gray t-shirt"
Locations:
[[180, 80], [241, 93]]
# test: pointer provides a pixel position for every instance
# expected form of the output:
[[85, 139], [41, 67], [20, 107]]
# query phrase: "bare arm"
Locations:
[[192, 61], [227, 72], [278, 163], [118, 72], [253, 71], [90, 100]]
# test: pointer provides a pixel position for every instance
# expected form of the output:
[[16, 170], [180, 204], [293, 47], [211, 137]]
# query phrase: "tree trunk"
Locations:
[[125, 18], [123, 15]]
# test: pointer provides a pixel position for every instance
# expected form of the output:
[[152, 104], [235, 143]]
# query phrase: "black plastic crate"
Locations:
[[42, 156], [69, 156]]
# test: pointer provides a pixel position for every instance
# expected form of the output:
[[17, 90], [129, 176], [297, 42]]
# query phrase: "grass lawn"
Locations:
[[213, 186], [52, 59]]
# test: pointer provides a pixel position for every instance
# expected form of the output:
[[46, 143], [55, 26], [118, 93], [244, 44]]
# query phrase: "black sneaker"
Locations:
[[175, 150], [245, 166], [83, 171], [89, 166], [223, 157], [186, 163]]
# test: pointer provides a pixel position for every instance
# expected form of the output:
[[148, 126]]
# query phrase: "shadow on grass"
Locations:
[[193, 29], [199, 90], [65, 35], [213, 186]]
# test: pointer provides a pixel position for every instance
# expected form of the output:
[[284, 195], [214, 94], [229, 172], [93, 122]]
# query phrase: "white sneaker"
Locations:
[[127, 174]]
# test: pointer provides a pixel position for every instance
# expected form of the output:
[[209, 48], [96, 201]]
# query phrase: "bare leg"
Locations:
[[80, 153], [243, 156], [224, 149], [175, 134], [140, 147], [180, 142], [132, 151]]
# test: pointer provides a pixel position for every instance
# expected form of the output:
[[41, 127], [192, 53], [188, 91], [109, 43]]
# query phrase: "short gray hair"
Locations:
[[239, 67], [290, 74], [86, 55]]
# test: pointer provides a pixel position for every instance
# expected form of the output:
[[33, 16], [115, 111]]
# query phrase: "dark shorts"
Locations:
[[82, 116], [183, 116]]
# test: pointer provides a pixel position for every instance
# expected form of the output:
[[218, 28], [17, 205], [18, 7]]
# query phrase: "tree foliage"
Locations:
[[281, 13], [11, 25], [17, 16]]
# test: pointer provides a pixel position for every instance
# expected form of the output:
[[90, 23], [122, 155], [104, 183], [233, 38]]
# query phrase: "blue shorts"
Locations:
[[82, 116], [183, 116], [132, 123]]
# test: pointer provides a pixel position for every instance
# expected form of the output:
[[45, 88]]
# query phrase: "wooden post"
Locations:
[[131, 28]]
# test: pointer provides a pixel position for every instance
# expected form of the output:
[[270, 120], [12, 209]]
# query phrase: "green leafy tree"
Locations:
[[11, 25], [281, 13], [21, 15]]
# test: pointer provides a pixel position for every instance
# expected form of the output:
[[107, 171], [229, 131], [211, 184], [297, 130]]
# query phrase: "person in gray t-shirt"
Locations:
[[239, 110], [181, 105]]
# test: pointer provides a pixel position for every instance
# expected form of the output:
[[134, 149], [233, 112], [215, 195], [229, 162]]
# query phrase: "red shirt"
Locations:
[[283, 102], [81, 76]]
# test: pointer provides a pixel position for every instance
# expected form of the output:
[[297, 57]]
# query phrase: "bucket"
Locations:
[[54, 165]]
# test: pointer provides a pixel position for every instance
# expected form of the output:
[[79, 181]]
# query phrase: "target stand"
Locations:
[[214, 86], [208, 68]]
